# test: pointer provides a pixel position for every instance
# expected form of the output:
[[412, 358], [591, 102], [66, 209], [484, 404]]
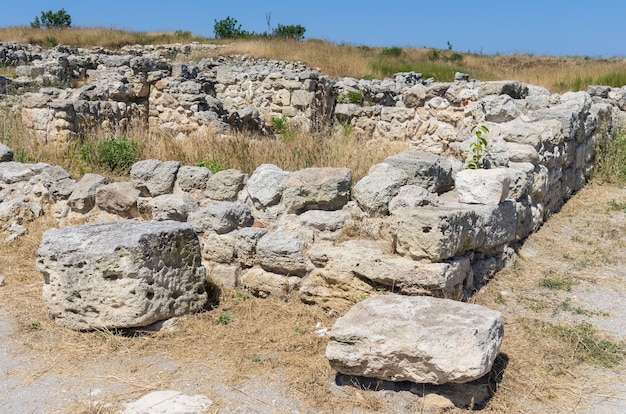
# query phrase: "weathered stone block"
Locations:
[[483, 186], [416, 338], [317, 188], [121, 274], [436, 233], [430, 171]]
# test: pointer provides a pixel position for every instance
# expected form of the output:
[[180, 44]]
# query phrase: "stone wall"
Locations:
[[418, 223]]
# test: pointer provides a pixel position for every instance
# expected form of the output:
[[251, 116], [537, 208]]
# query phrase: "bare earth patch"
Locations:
[[565, 326]]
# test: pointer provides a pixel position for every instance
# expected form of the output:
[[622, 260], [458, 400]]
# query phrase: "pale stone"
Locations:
[[317, 188], [225, 185], [263, 284], [481, 186], [266, 185], [154, 177], [173, 207], [168, 402], [221, 217], [424, 169], [118, 198], [416, 338], [436, 233], [374, 191], [121, 274], [282, 252], [83, 198]]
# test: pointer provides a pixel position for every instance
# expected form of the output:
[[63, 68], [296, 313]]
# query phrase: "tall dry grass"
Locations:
[[556, 73]]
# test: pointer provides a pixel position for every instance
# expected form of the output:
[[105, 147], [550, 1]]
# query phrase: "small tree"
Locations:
[[293, 32], [228, 29], [59, 20]]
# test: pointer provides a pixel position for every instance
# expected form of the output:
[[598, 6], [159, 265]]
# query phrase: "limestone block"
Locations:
[[83, 198], [225, 185], [266, 185], [374, 191], [221, 217], [499, 108], [245, 244], [154, 177], [317, 188], [19, 210], [224, 276], [13, 172], [118, 198], [412, 196], [168, 402], [483, 186], [173, 207], [263, 284], [514, 89], [430, 171], [218, 248], [325, 220], [399, 338], [301, 98], [436, 233], [121, 274], [282, 252], [191, 178], [499, 222], [368, 261], [6, 153]]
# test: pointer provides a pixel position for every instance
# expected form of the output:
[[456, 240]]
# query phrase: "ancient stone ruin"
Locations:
[[419, 226]]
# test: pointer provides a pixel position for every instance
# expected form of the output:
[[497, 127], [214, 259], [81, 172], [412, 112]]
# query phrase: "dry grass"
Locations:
[[548, 357], [556, 73], [92, 36], [241, 151]]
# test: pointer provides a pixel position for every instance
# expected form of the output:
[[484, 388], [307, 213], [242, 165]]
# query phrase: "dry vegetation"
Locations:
[[558, 74]]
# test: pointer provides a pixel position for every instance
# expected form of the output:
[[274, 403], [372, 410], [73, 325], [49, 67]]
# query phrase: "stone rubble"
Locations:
[[417, 224]]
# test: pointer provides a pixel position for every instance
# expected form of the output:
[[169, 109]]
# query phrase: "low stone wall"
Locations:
[[414, 224]]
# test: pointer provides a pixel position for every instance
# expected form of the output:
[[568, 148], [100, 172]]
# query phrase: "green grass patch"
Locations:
[[557, 283], [115, 155], [610, 165], [587, 346]]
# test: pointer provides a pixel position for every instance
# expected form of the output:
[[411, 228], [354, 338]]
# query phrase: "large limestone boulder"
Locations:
[[154, 177], [121, 274], [225, 185], [424, 169], [416, 338], [483, 186], [118, 198], [436, 233], [282, 252], [266, 185], [382, 182], [83, 198], [317, 188]]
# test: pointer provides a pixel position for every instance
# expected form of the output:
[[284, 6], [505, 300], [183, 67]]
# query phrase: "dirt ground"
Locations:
[[565, 326]]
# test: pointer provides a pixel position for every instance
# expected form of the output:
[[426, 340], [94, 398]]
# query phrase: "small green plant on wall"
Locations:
[[478, 148]]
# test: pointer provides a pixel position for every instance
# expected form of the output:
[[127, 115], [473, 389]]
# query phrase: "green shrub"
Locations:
[[279, 124], [354, 97], [433, 54], [456, 57], [391, 52], [116, 155], [228, 29], [213, 164], [58, 20], [292, 32]]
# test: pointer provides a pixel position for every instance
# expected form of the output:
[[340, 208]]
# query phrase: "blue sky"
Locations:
[[581, 28]]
